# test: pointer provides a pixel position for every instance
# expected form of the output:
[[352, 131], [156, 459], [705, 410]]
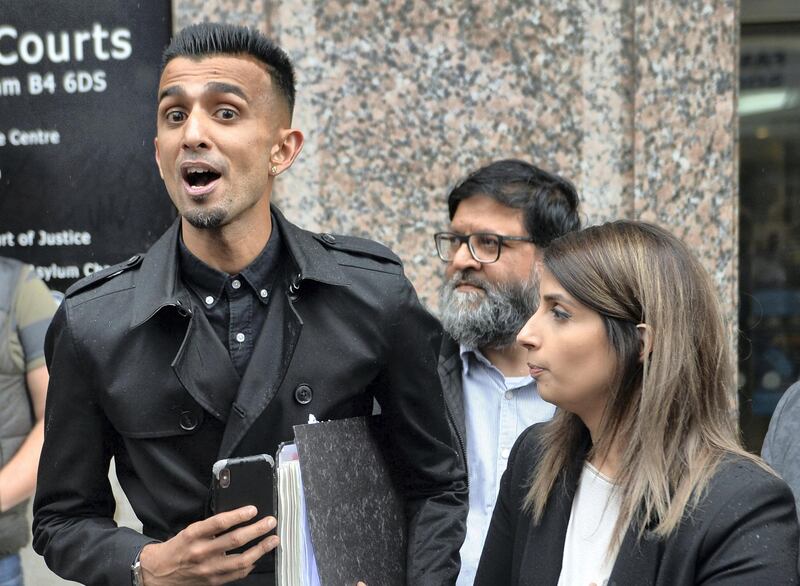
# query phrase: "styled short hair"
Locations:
[[206, 39], [549, 203]]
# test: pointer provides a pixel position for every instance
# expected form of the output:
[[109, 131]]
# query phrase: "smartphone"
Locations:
[[238, 482]]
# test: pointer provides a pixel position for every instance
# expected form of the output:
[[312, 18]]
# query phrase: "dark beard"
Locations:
[[491, 319], [205, 220]]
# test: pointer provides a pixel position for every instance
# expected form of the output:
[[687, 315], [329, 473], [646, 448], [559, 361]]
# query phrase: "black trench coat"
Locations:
[[137, 374]]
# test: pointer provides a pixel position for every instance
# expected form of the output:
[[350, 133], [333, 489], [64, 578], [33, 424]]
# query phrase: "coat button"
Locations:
[[183, 311], [303, 394], [294, 287], [329, 238], [188, 421]]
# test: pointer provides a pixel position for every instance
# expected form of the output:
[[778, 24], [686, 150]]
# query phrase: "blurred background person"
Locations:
[[26, 307], [781, 447]]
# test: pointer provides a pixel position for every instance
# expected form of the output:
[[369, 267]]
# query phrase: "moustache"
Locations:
[[462, 278]]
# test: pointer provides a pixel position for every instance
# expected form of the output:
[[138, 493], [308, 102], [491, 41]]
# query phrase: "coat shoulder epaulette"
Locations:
[[96, 279], [361, 252]]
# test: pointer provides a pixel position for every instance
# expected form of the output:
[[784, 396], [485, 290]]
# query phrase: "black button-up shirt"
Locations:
[[235, 305]]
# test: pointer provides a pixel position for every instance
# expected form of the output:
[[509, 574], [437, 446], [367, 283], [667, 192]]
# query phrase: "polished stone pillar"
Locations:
[[633, 101]]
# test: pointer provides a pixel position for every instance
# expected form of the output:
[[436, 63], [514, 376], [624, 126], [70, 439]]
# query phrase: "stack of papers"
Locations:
[[295, 563]]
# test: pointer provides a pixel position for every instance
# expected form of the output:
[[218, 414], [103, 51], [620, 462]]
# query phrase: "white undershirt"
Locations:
[[594, 513]]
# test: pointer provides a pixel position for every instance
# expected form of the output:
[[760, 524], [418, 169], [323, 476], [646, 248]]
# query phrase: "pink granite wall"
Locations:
[[634, 101]]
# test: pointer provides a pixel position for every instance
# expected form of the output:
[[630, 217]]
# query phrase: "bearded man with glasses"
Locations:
[[501, 216]]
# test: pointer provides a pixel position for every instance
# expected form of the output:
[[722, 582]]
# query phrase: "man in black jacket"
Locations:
[[235, 326]]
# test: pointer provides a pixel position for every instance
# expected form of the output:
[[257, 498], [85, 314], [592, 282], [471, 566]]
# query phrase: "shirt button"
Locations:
[[263, 293], [240, 337], [505, 452], [209, 300], [509, 395], [236, 283]]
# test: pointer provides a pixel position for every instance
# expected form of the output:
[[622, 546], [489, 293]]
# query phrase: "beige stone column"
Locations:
[[686, 173], [633, 101]]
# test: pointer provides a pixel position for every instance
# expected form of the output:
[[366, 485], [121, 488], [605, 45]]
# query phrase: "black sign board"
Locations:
[[79, 188]]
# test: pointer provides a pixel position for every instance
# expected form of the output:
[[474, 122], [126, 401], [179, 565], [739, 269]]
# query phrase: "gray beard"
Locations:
[[488, 319]]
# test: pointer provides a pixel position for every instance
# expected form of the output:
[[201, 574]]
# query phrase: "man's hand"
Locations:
[[196, 555]]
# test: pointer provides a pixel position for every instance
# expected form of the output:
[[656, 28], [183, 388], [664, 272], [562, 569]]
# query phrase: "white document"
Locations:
[[295, 562]]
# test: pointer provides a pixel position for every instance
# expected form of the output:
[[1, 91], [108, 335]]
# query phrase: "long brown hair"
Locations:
[[671, 413]]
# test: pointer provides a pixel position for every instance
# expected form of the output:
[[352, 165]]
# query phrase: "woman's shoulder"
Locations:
[[740, 484], [744, 509], [742, 472]]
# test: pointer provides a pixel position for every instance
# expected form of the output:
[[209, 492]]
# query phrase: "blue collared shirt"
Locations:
[[497, 410]]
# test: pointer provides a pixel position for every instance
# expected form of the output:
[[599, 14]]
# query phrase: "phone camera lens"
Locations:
[[225, 478]]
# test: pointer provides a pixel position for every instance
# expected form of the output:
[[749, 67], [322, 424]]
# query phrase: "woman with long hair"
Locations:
[[640, 478]]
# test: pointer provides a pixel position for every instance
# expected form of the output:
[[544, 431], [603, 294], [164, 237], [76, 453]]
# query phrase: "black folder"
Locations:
[[354, 510]]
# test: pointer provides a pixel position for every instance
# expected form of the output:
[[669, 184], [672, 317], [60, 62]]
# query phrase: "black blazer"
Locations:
[[744, 531], [138, 374]]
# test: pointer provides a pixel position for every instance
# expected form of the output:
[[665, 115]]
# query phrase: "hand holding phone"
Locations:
[[197, 555]]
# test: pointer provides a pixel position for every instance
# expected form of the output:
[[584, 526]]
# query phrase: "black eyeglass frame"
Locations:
[[466, 238]]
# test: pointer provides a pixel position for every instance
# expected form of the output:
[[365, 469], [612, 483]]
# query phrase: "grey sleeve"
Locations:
[[781, 447], [784, 428]]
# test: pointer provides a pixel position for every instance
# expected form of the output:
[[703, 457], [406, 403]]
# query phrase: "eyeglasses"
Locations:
[[483, 246]]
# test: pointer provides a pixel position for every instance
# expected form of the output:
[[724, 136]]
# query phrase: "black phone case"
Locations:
[[239, 482]]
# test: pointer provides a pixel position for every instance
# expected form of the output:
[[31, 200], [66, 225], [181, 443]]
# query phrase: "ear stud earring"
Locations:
[[273, 170]]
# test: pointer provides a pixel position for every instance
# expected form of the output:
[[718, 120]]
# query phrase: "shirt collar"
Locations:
[[469, 354], [204, 280], [158, 283], [260, 274], [471, 357], [210, 283]]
